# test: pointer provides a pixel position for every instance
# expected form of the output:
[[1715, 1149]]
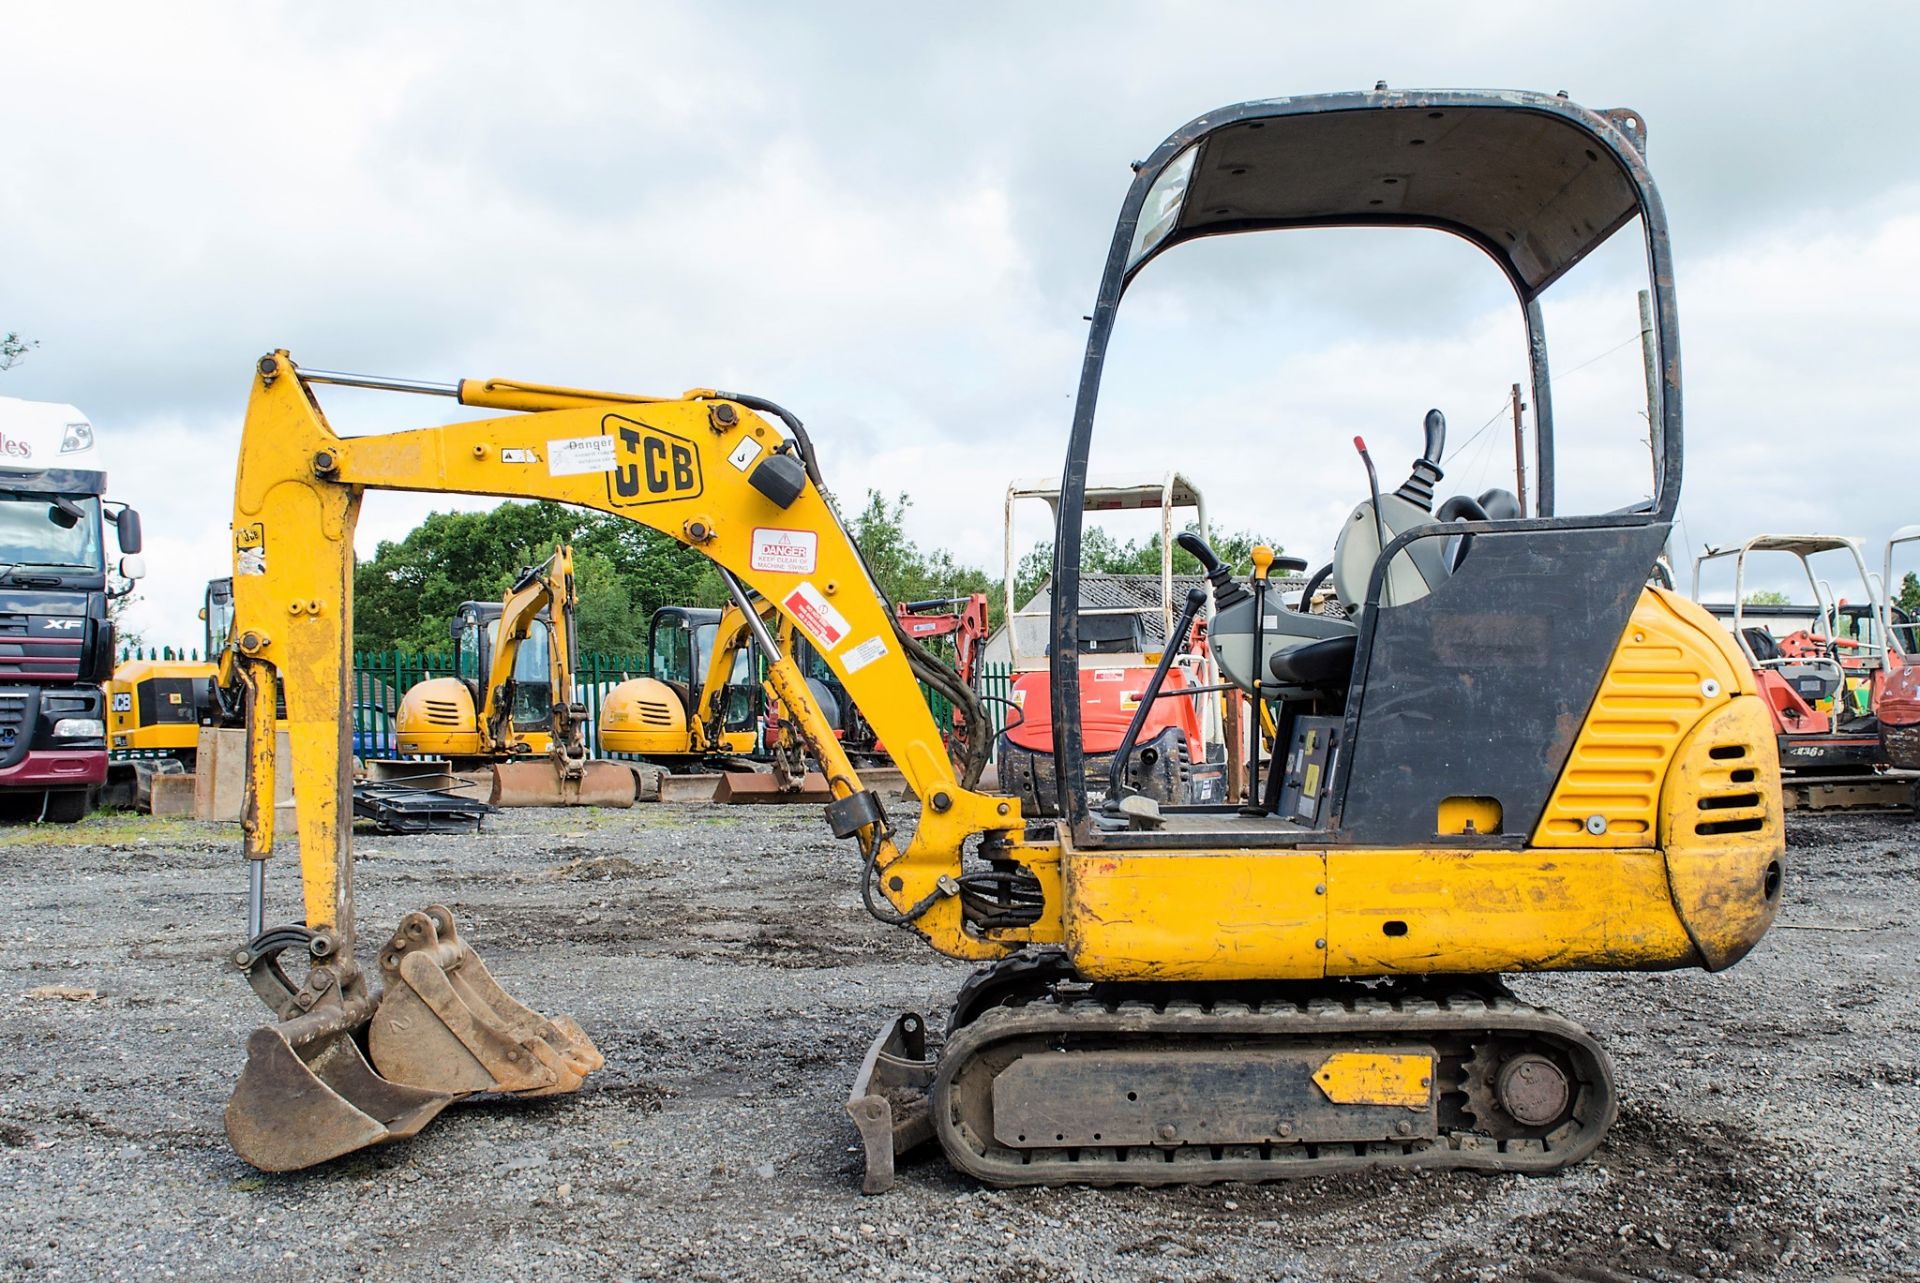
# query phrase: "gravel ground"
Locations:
[[1770, 1124]]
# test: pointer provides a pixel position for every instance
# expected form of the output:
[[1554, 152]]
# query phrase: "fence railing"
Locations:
[[380, 678], [161, 654]]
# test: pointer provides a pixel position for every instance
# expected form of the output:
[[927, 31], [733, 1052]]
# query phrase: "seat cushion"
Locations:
[[1317, 663]]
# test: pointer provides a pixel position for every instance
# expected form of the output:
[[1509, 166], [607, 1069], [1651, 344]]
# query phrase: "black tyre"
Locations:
[[68, 806]]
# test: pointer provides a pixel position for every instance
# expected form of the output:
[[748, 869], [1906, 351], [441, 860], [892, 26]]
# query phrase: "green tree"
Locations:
[[1909, 598], [1101, 553], [408, 590], [14, 349], [905, 571], [1767, 597]]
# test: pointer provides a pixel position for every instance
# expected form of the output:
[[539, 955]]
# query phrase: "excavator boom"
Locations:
[[704, 468]]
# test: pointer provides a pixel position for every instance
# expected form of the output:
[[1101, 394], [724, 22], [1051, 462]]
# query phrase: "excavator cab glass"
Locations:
[[1503, 616], [670, 649], [532, 677], [218, 614]]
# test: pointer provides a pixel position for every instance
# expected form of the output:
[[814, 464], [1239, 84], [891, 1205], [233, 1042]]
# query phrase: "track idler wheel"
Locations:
[[445, 1025]]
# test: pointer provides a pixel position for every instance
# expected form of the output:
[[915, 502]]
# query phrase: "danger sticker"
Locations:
[[813, 612], [863, 654], [792, 552], [1109, 674], [572, 456], [519, 456]]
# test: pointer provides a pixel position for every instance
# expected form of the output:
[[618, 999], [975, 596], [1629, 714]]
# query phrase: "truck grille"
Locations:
[[31, 648], [17, 712]]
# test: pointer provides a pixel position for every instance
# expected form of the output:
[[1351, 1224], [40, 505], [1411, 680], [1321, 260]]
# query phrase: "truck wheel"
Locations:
[[68, 806]]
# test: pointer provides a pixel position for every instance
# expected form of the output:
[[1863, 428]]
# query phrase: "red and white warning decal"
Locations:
[[858, 657], [827, 626], [791, 552], [1109, 674]]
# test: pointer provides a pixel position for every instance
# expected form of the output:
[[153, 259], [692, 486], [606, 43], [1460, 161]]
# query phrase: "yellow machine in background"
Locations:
[[696, 702], [1507, 755], [159, 705], [157, 708], [516, 715]]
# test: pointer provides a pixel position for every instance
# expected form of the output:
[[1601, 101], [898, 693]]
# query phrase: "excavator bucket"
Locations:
[[765, 786], [307, 1094], [445, 1025], [538, 782]]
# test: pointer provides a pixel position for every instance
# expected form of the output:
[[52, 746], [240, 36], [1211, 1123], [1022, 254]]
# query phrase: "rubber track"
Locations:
[[1325, 1021]]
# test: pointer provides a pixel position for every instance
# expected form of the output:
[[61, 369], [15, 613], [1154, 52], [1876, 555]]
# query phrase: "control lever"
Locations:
[[1175, 647], [1373, 489], [1227, 591]]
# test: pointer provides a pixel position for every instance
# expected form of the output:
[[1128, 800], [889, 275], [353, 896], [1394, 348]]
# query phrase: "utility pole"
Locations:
[[1519, 452]]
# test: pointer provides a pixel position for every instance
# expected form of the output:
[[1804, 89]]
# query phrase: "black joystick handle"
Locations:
[[1227, 590], [1417, 489], [1436, 437]]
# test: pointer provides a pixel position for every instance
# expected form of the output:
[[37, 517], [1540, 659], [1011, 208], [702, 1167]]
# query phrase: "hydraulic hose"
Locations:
[[927, 667]]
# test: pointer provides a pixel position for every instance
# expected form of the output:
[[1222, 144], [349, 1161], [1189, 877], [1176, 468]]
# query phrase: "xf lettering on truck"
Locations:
[[650, 465]]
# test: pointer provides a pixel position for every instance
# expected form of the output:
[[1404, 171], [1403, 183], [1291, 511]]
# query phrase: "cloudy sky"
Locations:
[[892, 218]]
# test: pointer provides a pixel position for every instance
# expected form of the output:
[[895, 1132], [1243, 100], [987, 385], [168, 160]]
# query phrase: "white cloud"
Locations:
[[893, 227]]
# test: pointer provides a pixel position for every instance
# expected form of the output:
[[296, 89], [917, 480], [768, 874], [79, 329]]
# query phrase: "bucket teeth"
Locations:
[[444, 1024], [308, 1095]]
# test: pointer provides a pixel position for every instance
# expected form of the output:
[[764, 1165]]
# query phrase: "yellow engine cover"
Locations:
[[645, 716], [176, 683], [437, 719], [1661, 847]]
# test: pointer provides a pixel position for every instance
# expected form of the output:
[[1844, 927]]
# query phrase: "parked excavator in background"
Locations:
[[1173, 993], [698, 705], [1183, 750], [511, 713], [956, 628], [156, 707], [704, 707], [1898, 707], [1821, 662]]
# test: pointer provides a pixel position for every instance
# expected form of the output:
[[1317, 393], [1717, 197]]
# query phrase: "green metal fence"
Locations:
[[380, 678], [168, 654]]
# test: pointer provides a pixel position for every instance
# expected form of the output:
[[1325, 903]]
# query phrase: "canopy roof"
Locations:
[[1118, 494], [1538, 188], [1798, 545]]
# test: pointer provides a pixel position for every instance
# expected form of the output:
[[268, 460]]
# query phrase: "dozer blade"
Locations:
[[764, 786], [540, 783], [888, 1102], [445, 1025], [308, 1095]]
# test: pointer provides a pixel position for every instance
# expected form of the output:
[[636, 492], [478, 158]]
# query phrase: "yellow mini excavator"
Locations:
[[515, 716], [695, 705], [697, 709], [1511, 755]]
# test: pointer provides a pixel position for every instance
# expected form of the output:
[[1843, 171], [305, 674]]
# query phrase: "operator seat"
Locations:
[[1310, 655]]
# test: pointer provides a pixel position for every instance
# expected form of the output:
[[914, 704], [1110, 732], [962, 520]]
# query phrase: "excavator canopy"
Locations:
[[1534, 188]]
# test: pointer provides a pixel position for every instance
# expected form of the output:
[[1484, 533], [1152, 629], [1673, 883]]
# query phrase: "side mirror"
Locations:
[[127, 525], [455, 627], [133, 566]]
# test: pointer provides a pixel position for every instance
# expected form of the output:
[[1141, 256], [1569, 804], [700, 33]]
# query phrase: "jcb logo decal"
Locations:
[[650, 466]]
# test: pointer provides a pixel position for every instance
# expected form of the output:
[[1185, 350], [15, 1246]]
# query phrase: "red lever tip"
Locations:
[[1360, 444]]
